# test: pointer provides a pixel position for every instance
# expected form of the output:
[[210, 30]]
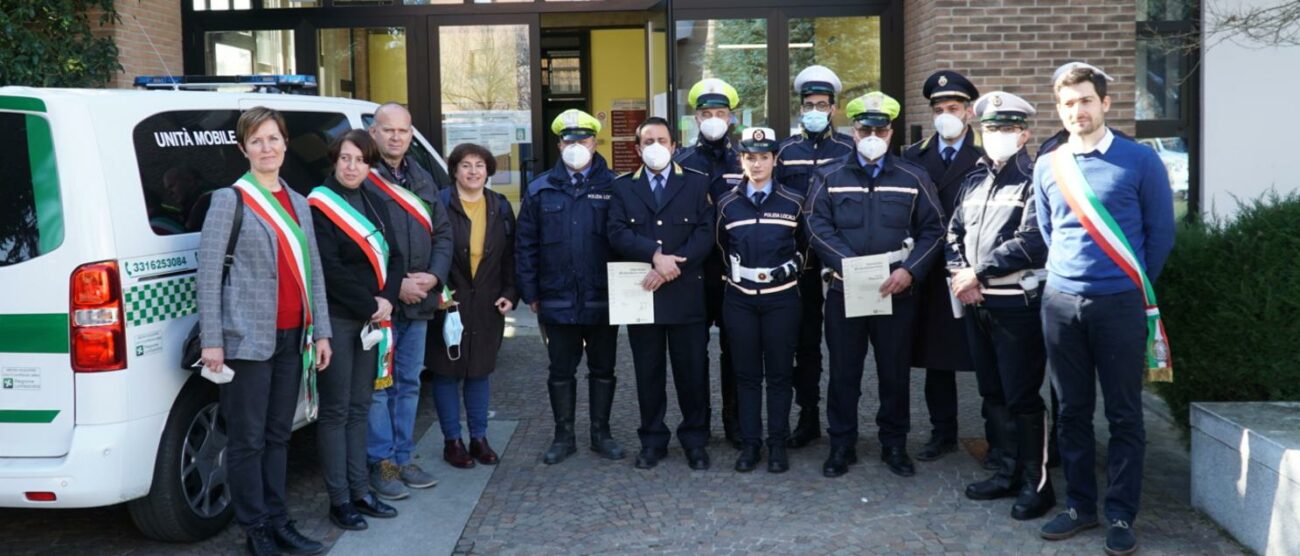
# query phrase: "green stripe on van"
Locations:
[[28, 333], [37, 416], [27, 104]]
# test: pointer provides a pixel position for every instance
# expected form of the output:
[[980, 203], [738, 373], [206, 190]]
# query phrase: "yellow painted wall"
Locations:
[[617, 72], [387, 68]]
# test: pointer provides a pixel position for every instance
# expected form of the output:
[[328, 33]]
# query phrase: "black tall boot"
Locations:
[[602, 399], [1036, 494], [1006, 480], [563, 396]]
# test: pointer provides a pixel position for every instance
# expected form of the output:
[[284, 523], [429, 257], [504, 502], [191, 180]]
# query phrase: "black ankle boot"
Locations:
[[601, 391], [1036, 494], [563, 394], [1006, 479], [290, 541], [808, 429], [749, 456]]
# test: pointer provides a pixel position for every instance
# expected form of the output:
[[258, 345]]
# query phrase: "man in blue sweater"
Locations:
[[1094, 317]]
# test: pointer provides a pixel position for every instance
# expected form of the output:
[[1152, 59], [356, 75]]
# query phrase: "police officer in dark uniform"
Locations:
[[661, 214], [940, 342], [561, 251], [713, 156], [798, 157], [995, 257], [762, 243], [873, 204]]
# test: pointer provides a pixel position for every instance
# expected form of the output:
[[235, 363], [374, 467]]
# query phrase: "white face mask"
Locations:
[[1001, 146], [949, 126], [815, 121], [452, 330], [713, 128], [872, 147], [576, 156], [656, 156]]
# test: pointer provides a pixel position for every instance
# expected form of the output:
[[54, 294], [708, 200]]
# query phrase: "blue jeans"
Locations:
[[447, 395], [392, 411]]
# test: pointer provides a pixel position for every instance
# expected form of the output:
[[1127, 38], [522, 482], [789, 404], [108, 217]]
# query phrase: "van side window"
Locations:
[[185, 155], [31, 211], [422, 156]]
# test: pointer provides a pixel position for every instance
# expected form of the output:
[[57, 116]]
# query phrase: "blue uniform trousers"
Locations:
[[847, 338], [764, 330]]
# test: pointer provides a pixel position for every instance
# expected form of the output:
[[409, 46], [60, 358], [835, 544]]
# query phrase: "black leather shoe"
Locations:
[[936, 448], [345, 516], [838, 462], [808, 429], [897, 461], [372, 506], [777, 462], [260, 543], [750, 454], [649, 457], [698, 458], [290, 541]]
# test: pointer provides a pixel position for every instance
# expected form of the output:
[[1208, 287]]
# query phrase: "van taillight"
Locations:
[[96, 325]]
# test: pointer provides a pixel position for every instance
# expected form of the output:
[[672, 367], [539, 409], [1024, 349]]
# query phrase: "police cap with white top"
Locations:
[[1071, 66], [817, 80], [758, 140], [573, 125], [874, 109], [1001, 107]]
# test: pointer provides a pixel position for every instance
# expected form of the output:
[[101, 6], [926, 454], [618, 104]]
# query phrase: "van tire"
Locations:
[[166, 514]]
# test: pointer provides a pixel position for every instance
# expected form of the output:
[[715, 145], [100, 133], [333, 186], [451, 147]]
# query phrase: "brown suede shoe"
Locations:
[[453, 451], [479, 450]]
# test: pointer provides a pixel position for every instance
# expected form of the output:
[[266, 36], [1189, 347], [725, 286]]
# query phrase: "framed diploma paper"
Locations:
[[629, 303], [862, 279]]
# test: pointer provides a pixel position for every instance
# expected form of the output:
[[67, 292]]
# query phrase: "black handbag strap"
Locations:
[[236, 224]]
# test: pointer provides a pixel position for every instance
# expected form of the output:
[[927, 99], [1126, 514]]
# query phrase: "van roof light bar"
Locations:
[[282, 83]]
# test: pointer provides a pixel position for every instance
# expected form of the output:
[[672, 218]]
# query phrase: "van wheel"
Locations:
[[189, 499]]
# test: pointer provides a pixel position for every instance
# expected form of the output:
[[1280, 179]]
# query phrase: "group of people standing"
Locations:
[[351, 293], [997, 264]]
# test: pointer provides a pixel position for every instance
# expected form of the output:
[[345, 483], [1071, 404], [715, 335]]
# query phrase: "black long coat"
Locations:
[[939, 340], [477, 296]]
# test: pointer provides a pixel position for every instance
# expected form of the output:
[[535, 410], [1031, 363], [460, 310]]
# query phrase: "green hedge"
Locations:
[[1230, 299]]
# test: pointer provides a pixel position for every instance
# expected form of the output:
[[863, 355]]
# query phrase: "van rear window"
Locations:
[[31, 212], [185, 155]]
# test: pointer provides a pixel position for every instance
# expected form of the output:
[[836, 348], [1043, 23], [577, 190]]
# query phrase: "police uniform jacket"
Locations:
[[561, 246], [762, 236], [849, 216], [638, 228], [720, 162], [940, 340], [995, 229], [801, 155]]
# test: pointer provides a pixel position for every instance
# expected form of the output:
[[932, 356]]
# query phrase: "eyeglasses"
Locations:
[[1002, 128], [822, 106]]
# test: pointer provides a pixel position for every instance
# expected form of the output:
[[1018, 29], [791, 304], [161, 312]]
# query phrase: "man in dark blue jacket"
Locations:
[[713, 155], [797, 159], [872, 204], [561, 250], [661, 215]]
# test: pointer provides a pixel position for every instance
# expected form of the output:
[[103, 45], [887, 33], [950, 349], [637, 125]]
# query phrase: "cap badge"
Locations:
[[873, 102], [943, 80], [759, 135], [996, 100]]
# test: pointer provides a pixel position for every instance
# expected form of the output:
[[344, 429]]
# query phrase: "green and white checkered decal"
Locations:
[[158, 301]]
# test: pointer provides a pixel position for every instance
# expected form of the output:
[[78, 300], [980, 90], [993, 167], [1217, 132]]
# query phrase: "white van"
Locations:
[[101, 199]]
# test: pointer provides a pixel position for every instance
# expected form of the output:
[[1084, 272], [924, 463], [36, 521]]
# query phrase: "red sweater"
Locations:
[[288, 310]]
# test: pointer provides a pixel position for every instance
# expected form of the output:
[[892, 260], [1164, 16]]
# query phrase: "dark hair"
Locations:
[[655, 120], [359, 138], [464, 150], [253, 118], [1081, 75]]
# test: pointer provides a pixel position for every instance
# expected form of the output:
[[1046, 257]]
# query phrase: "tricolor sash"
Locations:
[[291, 244], [412, 204], [368, 237], [1103, 229]]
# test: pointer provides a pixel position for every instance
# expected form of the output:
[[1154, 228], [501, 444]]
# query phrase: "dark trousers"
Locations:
[[764, 334], [1093, 339], [941, 400], [847, 338], [345, 389], [258, 407], [565, 344], [687, 346], [726, 368], [808, 355], [1006, 345]]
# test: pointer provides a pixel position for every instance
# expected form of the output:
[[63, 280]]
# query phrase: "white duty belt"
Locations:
[[759, 275], [1016, 283]]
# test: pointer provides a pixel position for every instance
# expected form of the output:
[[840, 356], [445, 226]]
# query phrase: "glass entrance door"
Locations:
[[484, 79]]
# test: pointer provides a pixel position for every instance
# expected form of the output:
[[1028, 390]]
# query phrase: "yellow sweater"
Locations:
[[477, 212]]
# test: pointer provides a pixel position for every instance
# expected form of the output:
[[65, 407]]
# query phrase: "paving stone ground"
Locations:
[[587, 505]]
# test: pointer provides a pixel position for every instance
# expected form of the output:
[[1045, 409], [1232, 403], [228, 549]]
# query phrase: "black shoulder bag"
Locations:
[[192, 350]]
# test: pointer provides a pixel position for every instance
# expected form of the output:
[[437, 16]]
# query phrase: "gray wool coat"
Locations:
[[240, 316]]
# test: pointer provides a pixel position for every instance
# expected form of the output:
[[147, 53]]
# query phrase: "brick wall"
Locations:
[[1014, 45], [144, 21]]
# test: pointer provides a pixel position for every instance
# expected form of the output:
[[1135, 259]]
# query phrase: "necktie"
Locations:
[[871, 173], [659, 190], [578, 179], [948, 153], [758, 197]]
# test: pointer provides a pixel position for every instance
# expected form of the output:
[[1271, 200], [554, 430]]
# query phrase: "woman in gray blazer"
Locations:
[[267, 321]]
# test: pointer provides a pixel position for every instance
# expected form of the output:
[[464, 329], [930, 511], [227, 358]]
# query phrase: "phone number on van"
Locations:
[[164, 264]]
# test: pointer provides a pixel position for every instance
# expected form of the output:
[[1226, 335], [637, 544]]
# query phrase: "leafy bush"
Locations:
[[1230, 298], [51, 43]]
